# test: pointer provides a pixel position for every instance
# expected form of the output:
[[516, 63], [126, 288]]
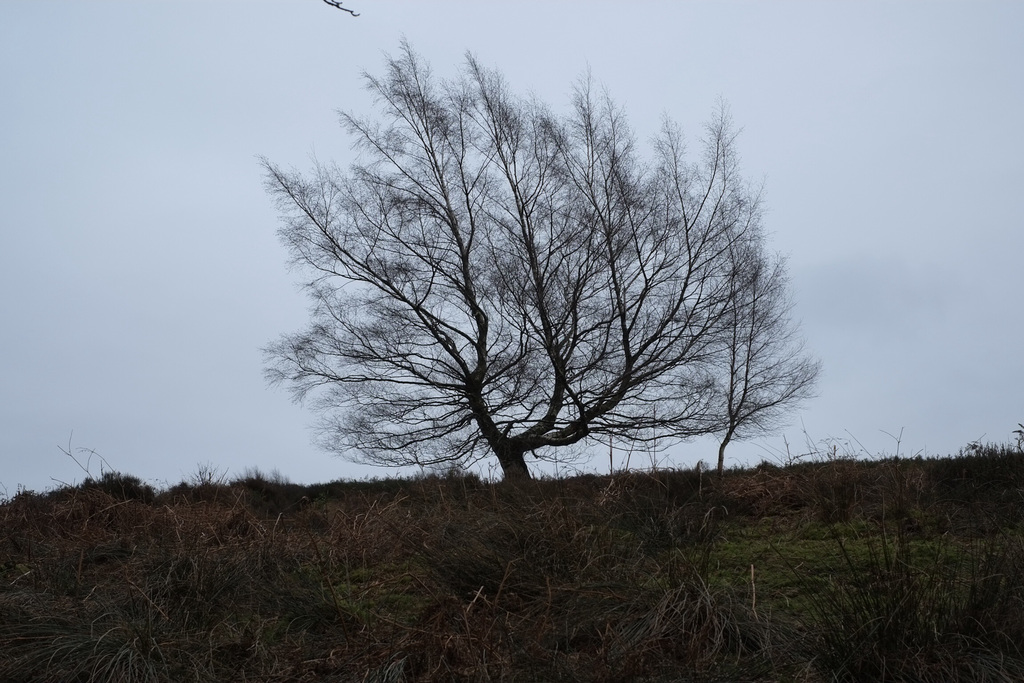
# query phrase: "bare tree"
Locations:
[[766, 370], [492, 279]]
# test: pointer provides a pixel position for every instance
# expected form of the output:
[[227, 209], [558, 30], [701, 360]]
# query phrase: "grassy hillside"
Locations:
[[897, 570]]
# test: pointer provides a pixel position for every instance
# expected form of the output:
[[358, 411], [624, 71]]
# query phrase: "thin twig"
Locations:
[[336, 4]]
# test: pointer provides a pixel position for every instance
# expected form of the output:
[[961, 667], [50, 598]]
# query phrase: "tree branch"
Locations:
[[337, 5]]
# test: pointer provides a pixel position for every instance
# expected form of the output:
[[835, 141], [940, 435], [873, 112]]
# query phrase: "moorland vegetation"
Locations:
[[822, 569]]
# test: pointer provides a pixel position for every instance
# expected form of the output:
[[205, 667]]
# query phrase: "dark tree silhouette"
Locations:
[[493, 279]]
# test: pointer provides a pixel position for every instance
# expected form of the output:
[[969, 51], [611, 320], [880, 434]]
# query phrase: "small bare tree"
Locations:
[[491, 279], [766, 371]]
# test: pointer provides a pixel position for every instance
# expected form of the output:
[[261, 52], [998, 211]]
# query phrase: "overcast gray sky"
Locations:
[[140, 273]]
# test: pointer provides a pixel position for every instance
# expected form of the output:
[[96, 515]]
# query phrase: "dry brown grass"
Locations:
[[640, 576]]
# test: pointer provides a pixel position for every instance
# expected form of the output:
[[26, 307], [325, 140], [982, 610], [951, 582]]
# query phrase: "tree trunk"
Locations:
[[721, 453], [513, 462]]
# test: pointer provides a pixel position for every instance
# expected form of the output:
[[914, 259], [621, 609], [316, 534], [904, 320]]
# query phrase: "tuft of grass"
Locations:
[[905, 611], [120, 486]]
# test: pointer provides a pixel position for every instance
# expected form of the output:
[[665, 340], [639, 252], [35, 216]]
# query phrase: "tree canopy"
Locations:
[[493, 279]]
